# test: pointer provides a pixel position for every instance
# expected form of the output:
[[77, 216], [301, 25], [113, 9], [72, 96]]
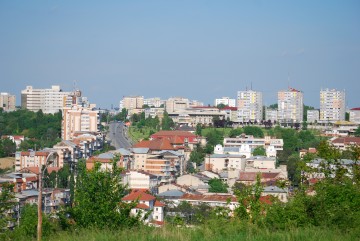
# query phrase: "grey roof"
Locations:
[[224, 174], [106, 155], [262, 158], [140, 150], [171, 193], [175, 153], [231, 149], [30, 192], [274, 189], [342, 161], [123, 152]]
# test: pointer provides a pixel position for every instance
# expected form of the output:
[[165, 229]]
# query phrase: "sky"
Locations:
[[196, 49]]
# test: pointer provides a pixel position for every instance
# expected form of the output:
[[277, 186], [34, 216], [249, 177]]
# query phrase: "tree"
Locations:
[[254, 130], [217, 186], [259, 151], [98, 199], [198, 129], [167, 123], [221, 106], [357, 132], [236, 132], [7, 147], [6, 204], [29, 220]]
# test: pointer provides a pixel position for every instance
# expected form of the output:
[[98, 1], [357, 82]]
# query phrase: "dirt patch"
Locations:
[[7, 162]]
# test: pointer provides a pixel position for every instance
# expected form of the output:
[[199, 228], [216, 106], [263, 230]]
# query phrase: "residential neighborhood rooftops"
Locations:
[[171, 193], [138, 195]]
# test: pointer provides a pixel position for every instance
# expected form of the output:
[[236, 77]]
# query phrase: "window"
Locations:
[[156, 217], [156, 209]]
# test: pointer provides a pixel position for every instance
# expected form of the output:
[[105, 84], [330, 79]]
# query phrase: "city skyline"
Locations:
[[198, 50]]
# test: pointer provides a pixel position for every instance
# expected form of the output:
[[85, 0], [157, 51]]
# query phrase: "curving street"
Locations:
[[118, 135]]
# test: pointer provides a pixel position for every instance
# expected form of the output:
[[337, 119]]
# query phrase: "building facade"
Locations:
[[225, 101], [176, 104], [250, 106], [312, 116], [332, 105], [132, 102], [49, 101], [290, 106], [7, 102], [78, 119], [355, 115]]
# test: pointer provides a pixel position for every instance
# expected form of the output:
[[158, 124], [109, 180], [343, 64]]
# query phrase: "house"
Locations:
[[140, 180], [345, 142], [196, 182], [25, 159], [146, 203], [16, 139], [280, 193], [178, 138], [303, 152], [249, 178]]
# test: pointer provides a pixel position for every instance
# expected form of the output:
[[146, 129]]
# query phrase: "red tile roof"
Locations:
[[159, 204], [138, 195], [266, 199], [347, 140], [142, 206], [251, 176], [156, 144], [357, 108]]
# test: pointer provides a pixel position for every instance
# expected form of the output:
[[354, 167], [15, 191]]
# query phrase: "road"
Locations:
[[118, 135]]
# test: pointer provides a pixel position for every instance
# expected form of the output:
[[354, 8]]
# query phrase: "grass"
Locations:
[[208, 232], [7, 162], [137, 134]]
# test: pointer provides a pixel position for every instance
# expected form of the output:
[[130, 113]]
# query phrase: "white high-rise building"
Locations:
[[312, 116], [290, 105], [176, 103], [49, 101], [7, 102], [332, 105], [226, 101], [250, 106], [154, 102]]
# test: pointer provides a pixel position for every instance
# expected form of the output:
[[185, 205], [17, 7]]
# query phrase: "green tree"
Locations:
[[7, 202], [7, 147], [254, 130], [167, 123], [259, 151], [217, 186], [236, 132], [357, 132], [221, 106], [98, 199], [198, 129], [29, 220]]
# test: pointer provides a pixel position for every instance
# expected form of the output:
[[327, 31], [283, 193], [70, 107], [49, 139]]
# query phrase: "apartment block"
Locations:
[[176, 104], [24, 159], [355, 115], [49, 101], [226, 101], [78, 119], [132, 102], [290, 105], [271, 114], [250, 106], [155, 102], [312, 116], [332, 105], [7, 102]]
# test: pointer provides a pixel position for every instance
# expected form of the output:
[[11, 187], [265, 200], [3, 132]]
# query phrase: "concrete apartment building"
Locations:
[[312, 116], [225, 101], [78, 119], [250, 106], [200, 115], [154, 102], [290, 106], [25, 159], [132, 102], [355, 115], [176, 104], [332, 105], [271, 114], [49, 101], [253, 142], [7, 102]]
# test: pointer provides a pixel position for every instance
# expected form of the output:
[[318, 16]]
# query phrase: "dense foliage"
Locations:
[[98, 197], [217, 186], [42, 130]]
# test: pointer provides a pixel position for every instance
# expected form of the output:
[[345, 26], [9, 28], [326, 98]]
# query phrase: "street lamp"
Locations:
[[39, 225]]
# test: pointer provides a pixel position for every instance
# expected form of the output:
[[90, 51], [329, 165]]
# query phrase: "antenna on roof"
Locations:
[[251, 85]]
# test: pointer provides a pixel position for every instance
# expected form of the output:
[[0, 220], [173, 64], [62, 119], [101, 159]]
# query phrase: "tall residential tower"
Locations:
[[332, 105], [250, 106]]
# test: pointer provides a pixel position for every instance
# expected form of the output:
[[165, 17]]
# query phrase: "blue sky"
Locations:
[[197, 49]]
